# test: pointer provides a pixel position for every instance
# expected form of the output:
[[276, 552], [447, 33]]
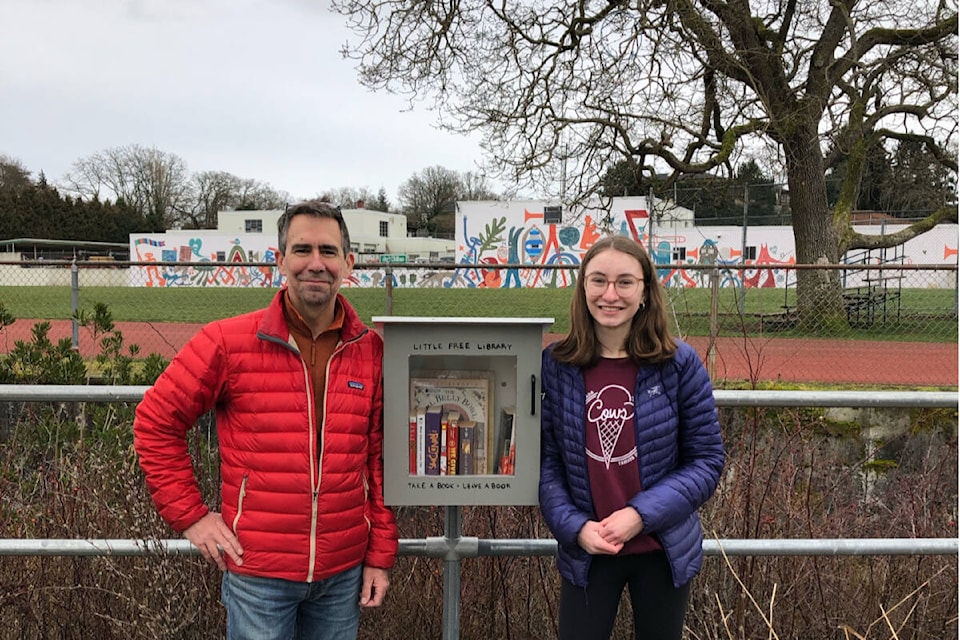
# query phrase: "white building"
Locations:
[[375, 236]]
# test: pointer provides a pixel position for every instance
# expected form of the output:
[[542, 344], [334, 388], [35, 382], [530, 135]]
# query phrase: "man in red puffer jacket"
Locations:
[[303, 536]]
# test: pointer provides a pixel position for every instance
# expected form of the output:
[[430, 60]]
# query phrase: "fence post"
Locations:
[[742, 297], [74, 304], [714, 321], [956, 293], [650, 212], [388, 282]]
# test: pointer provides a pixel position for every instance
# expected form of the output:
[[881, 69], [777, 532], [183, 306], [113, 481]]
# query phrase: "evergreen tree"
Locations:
[[918, 184], [381, 203]]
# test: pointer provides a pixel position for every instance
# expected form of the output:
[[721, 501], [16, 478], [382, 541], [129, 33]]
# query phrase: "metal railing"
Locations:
[[723, 398], [471, 547], [453, 547]]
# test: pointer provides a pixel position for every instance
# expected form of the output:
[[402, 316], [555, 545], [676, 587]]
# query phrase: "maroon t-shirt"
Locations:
[[611, 442]]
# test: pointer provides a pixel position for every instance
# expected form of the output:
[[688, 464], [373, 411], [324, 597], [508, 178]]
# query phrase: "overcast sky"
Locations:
[[256, 88]]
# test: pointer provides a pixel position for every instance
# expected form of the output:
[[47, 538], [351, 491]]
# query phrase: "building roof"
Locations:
[[64, 249]]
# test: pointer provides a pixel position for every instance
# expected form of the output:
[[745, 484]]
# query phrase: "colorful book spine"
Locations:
[[505, 440], [480, 448], [502, 444], [453, 446], [512, 459], [412, 469], [444, 428], [465, 463], [432, 434], [421, 441]]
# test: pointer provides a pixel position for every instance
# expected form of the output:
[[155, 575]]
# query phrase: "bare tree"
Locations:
[[429, 199], [561, 91], [211, 192], [159, 186], [152, 182], [350, 198], [474, 186], [214, 191], [254, 195]]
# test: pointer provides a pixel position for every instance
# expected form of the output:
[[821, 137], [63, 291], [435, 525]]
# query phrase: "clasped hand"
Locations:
[[610, 534]]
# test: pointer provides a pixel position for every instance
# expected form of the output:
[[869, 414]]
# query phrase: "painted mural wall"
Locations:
[[515, 233], [183, 259], [192, 251]]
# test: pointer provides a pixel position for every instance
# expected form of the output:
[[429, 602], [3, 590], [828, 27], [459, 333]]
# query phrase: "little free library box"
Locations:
[[461, 410]]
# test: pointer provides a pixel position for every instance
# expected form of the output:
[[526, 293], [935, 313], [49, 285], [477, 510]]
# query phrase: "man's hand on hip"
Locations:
[[211, 535]]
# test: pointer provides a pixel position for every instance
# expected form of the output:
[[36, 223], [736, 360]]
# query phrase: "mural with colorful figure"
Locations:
[[192, 255], [183, 259], [516, 235]]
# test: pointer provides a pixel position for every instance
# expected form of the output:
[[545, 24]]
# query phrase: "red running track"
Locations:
[[812, 360]]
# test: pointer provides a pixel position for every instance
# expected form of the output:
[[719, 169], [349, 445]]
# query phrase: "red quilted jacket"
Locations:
[[304, 508]]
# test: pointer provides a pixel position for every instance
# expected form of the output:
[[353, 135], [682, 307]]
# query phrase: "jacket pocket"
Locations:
[[240, 497], [366, 500]]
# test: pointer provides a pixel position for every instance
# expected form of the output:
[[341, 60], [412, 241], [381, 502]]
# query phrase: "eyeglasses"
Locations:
[[624, 285]]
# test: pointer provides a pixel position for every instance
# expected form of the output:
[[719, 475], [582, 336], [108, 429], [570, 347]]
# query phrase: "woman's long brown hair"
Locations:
[[649, 339]]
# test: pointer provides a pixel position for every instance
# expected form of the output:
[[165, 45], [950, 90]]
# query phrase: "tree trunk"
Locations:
[[819, 294]]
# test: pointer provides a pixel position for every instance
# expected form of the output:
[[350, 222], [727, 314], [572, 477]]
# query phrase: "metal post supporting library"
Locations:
[[461, 420]]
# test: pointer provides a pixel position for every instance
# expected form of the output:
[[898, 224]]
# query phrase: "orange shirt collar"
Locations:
[[297, 324]]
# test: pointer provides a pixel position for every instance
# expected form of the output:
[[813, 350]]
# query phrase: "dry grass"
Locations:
[[786, 478]]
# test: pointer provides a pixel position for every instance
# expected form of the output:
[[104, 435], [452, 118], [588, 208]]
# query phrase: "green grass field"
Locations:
[[925, 315]]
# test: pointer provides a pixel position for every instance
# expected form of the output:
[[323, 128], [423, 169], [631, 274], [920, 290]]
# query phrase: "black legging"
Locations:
[[658, 607]]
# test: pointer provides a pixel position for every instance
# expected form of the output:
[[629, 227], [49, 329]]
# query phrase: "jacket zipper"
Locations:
[[314, 469], [317, 421], [313, 431]]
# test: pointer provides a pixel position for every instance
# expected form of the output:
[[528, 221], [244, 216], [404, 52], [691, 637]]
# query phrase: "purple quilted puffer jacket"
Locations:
[[680, 454]]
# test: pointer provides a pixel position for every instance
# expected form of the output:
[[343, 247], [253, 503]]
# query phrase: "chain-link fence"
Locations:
[[899, 325]]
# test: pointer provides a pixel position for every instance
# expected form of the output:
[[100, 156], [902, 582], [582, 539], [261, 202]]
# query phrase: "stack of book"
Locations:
[[451, 430]]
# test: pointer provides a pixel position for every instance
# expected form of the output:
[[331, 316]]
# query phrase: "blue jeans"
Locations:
[[275, 609]]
